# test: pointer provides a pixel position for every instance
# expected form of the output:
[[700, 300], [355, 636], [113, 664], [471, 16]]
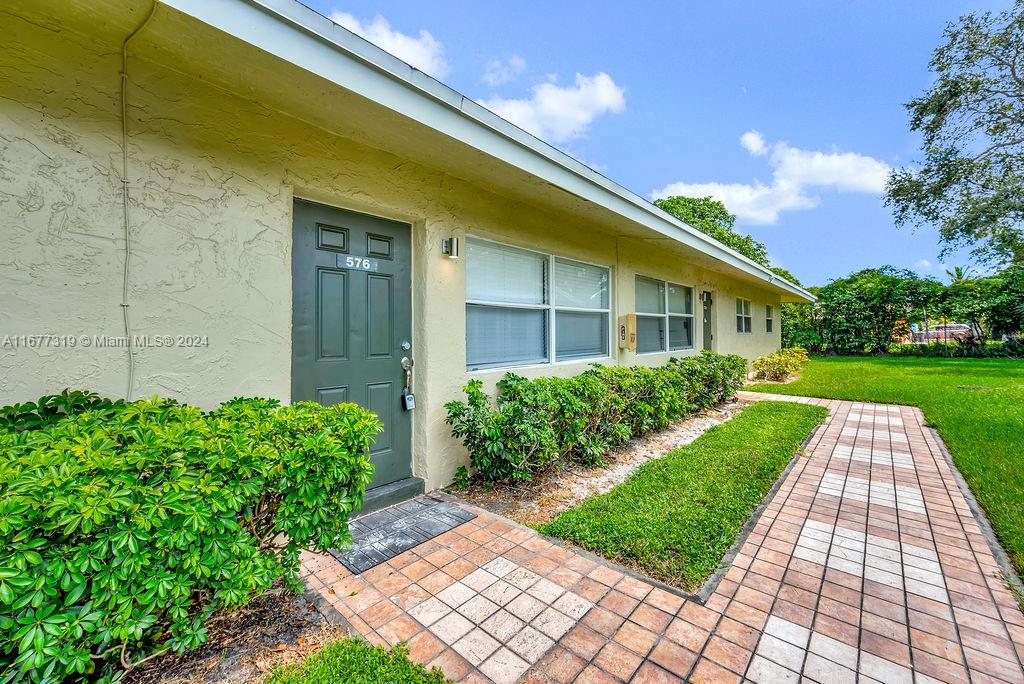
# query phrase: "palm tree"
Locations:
[[958, 274]]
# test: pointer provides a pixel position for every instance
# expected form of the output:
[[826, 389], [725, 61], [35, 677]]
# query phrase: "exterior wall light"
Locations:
[[450, 247]]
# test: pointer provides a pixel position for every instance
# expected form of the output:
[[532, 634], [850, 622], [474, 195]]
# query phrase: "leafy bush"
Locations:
[[955, 349], [354, 661], [536, 423], [779, 365], [124, 526], [47, 410]]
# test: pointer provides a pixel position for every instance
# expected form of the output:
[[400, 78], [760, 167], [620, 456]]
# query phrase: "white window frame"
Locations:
[[550, 307], [744, 313], [769, 319], [667, 346]]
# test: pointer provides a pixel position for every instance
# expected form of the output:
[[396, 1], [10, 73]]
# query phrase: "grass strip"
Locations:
[[675, 517]]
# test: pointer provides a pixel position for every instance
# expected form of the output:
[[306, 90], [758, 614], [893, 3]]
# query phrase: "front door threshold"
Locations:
[[389, 532], [390, 494]]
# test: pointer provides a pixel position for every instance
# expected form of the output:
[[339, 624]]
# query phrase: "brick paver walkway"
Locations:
[[867, 565]]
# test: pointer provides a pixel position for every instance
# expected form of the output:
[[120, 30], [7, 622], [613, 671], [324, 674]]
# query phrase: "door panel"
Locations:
[[379, 297], [332, 297], [378, 400], [351, 277], [378, 246], [331, 395]]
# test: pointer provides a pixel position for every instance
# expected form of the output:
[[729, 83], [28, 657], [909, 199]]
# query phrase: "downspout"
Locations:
[[125, 200]]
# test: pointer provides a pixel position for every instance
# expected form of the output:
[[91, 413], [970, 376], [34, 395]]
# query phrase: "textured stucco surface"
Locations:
[[213, 175]]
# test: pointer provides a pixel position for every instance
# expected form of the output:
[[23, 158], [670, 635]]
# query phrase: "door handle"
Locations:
[[407, 364], [408, 400]]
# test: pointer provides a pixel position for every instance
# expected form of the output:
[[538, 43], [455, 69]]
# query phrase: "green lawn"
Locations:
[[354, 661], [983, 428], [676, 516]]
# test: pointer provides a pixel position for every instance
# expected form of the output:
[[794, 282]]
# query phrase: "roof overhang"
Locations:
[[298, 34], [408, 105]]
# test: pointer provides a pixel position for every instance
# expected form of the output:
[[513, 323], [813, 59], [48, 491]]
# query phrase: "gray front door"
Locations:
[[709, 336], [351, 315]]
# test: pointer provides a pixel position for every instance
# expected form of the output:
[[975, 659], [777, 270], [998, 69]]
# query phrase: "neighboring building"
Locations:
[[291, 187], [939, 332]]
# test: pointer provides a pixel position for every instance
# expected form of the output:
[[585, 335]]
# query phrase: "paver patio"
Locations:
[[868, 564]]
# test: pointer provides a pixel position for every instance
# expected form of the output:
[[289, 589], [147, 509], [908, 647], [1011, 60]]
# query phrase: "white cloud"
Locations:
[[757, 203], [795, 172], [844, 171], [754, 143], [557, 113], [501, 71], [922, 264], [424, 52]]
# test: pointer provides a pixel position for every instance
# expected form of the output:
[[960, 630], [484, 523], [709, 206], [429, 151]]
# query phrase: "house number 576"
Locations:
[[357, 263]]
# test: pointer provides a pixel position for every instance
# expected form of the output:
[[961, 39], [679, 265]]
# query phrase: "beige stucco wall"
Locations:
[[213, 176]]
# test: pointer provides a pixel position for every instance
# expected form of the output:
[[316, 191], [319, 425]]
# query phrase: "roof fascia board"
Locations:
[[301, 36]]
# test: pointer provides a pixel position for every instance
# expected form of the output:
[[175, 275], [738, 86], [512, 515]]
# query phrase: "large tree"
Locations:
[[993, 305], [711, 217], [868, 310], [970, 182]]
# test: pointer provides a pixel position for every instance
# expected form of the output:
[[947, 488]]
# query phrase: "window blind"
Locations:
[[505, 336], [518, 302], [580, 285], [499, 273]]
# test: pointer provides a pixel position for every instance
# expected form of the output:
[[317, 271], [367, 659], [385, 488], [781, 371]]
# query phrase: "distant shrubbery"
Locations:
[[535, 423], [1010, 349], [124, 526], [869, 311], [780, 365]]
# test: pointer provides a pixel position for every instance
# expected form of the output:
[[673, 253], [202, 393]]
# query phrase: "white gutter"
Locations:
[[301, 36]]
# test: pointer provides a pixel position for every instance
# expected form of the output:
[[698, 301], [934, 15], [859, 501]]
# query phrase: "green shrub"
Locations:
[[779, 365], [354, 661], [124, 526], [955, 349], [47, 410], [535, 423]]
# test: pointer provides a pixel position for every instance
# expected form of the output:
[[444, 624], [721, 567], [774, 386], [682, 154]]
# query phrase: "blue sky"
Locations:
[[791, 112]]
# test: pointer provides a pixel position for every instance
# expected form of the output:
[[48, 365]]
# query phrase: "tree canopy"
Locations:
[[870, 309], [712, 218], [970, 183]]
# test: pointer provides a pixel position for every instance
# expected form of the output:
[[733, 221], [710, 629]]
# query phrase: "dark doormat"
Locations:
[[382, 535]]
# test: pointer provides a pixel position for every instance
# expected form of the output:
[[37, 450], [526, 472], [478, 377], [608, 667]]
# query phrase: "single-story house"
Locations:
[[306, 214]]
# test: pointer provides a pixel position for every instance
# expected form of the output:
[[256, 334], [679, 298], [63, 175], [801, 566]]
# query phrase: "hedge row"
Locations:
[[124, 526], [969, 349], [534, 424]]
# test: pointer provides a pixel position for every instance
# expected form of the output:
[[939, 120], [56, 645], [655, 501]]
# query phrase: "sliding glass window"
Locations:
[[664, 316], [581, 310], [524, 307]]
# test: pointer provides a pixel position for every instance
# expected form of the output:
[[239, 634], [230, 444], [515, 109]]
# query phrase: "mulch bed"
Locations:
[[548, 494], [277, 628]]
